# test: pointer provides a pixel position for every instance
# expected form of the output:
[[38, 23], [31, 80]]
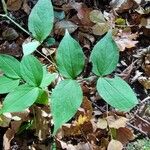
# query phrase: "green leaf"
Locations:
[[7, 84], [10, 66], [105, 56], [41, 20], [20, 99], [30, 47], [47, 78], [117, 93], [66, 98], [43, 97], [70, 57], [31, 70]]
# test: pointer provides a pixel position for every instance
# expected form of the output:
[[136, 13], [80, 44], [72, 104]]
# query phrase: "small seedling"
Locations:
[[27, 81]]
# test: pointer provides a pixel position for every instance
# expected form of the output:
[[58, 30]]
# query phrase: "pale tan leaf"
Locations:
[[115, 145], [116, 123], [102, 123]]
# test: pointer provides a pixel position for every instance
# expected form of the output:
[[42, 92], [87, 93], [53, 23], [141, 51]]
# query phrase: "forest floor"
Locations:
[[87, 21]]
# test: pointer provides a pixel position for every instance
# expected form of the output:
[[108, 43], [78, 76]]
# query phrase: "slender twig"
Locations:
[[142, 119], [17, 25], [45, 57], [136, 128]]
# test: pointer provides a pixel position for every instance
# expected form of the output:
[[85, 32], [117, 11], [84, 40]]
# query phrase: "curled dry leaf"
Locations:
[[8, 136], [115, 145]]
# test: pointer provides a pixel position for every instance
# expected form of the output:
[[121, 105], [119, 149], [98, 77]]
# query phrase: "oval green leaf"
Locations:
[[47, 78], [41, 20], [7, 84], [117, 93], [20, 99], [10, 66], [105, 56], [66, 98], [31, 70], [70, 57], [30, 47]]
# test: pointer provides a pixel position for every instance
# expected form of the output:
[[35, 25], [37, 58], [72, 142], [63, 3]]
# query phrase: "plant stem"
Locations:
[[46, 58], [17, 25], [4, 7]]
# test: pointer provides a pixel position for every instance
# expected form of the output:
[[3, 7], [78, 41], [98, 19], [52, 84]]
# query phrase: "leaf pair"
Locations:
[[40, 24], [67, 96], [116, 92], [29, 70]]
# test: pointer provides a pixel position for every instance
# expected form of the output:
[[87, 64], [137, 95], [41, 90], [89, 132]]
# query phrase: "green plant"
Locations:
[[143, 144], [27, 82]]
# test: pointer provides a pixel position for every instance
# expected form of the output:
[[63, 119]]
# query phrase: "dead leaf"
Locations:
[[26, 7], [123, 5], [125, 39], [96, 16], [116, 122], [115, 145], [10, 34], [61, 26], [145, 22], [102, 123], [145, 82], [124, 135], [14, 5], [8, 136], [100, 28]]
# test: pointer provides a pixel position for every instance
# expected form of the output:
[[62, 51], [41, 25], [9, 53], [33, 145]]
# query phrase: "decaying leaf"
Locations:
[[116, 122], [100, 28], [10, 34], [96, 16], [8, 136], [145, 82], [126, 40], [61, 26], [115, 145], [102, 123], [123, 5], [124, 135], [14, 5]]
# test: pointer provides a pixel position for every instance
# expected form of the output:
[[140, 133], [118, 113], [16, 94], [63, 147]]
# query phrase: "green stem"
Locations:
[[4, 7], [17, 25]]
